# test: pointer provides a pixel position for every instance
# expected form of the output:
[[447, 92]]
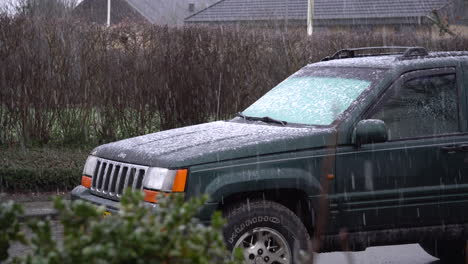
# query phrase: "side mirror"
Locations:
[[370, 131]]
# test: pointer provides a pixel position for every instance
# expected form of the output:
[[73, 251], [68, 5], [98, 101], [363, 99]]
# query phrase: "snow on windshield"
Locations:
[[311, 100]]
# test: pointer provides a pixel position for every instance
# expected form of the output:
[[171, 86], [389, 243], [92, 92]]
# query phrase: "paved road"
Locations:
[[404, 254], [20, 250]]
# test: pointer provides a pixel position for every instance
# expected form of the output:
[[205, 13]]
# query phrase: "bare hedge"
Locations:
[[69, 83], [40, 169]]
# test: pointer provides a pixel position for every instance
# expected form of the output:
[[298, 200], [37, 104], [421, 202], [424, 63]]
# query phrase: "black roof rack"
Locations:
[[407, 52]]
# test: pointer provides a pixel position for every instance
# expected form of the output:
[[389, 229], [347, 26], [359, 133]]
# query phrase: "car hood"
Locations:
[[213, 142]]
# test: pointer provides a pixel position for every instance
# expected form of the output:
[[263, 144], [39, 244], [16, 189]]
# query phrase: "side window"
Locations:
[[420, 107]]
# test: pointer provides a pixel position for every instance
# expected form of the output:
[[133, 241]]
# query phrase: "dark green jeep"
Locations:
[[375, 144]]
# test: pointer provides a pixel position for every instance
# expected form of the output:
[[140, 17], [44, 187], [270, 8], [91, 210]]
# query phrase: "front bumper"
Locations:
[[82, 193]]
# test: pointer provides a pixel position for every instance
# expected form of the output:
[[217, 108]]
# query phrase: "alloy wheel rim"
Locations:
[[263, 245]]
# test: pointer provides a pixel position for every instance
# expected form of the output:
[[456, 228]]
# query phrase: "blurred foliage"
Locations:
[[10, 230], [136, 234], [40, 170]]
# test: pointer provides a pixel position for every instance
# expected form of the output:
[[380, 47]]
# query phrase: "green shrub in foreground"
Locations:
[[135, 235], [10, 227]]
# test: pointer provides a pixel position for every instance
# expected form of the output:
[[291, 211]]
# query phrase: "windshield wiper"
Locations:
[[265, 119]]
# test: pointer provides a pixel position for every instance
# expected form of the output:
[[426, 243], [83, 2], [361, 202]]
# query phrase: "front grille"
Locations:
[[111, 178]]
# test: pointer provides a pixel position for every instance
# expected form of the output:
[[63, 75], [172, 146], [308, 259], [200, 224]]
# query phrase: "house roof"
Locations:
[[154, 11], [166, 11], [252, 10], [95, 11], [147, 8]]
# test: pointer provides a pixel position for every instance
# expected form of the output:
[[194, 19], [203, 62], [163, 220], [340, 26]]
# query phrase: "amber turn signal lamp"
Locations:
[[150, 196], [179, 181], [330, 176], [86, 181]]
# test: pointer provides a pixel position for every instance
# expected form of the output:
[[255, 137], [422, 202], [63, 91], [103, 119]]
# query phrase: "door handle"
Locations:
[[463, 148]]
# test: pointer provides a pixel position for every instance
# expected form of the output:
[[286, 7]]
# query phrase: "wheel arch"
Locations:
[[295, 200]]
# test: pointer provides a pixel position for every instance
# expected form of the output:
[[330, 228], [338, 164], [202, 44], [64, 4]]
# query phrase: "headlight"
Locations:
[[90, 166], [165, 180]]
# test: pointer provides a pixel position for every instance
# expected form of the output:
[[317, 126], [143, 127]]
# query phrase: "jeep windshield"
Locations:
[[315, 95]]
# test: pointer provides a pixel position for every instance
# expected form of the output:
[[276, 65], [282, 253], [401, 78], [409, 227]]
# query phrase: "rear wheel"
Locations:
[[448, 251], [265, 231]]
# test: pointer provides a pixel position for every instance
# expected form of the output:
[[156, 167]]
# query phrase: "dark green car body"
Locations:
[[386, 191]]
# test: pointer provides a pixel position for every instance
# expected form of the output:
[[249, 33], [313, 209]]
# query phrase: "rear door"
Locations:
[[416, 177]]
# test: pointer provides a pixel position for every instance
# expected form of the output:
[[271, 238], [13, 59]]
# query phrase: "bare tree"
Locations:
[[44, 8], [441, 22]]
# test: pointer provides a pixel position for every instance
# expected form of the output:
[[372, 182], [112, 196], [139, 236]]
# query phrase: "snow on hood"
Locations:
[[210, 142]]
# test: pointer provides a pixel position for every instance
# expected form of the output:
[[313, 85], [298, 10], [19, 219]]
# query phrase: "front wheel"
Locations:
[[265, 231], [448, 251]]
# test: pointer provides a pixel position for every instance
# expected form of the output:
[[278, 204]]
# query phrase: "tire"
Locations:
[[265, 231], [452, 251]]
